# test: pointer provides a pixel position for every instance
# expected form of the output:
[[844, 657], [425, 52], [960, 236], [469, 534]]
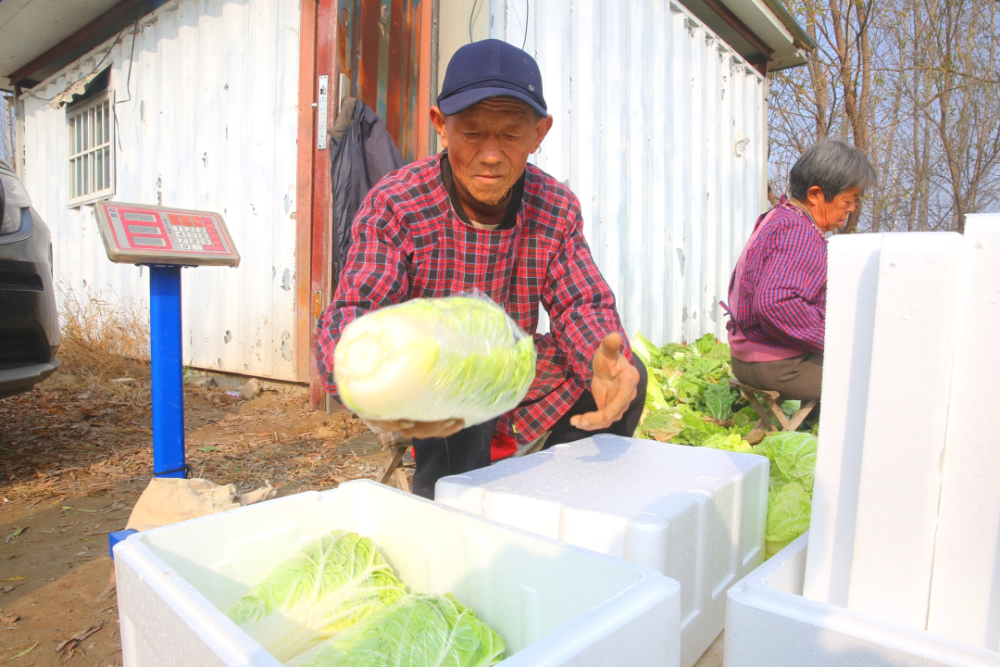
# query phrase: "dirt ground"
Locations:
[[74, 457], [76, 453]]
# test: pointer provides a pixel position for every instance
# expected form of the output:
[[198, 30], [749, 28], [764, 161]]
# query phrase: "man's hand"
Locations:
[[421, 430], [613, 386]]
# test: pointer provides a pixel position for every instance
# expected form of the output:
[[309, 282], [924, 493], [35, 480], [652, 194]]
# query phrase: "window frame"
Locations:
[[92, 150]]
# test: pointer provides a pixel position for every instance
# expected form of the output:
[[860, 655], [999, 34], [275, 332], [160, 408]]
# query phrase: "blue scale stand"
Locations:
[[164, 240]]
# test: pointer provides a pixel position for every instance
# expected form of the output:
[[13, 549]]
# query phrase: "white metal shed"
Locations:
[[660, 130]]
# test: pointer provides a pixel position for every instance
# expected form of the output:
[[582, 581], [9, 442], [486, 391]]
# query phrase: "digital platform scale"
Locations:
[[165, 240], [135, 234]]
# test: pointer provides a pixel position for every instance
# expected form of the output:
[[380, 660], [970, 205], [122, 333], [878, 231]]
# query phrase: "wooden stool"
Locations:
[[392, 472], [773, 407]]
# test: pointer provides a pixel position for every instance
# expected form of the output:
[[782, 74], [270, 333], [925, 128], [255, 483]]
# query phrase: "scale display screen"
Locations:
[[139, 234]]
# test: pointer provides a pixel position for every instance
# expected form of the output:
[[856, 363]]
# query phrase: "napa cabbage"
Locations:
[[330, 585], [793, 456], [793, 473], [459, 357], [733, 442], [416, 631], [646, 351], [788, 509]]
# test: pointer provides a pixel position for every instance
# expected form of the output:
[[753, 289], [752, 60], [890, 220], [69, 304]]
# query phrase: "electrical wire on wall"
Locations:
[[472, 15], [96, 68], [527, 14], [128, 84]]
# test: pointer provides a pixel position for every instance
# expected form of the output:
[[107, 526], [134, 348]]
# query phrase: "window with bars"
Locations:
[[91, 150]]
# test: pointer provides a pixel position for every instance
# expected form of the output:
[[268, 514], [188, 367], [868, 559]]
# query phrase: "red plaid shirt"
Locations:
[[408, 242]]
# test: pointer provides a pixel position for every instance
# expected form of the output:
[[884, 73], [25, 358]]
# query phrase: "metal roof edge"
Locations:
[[791, 24]]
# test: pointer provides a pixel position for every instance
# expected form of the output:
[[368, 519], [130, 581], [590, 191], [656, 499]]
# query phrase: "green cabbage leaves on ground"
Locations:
[[417, 631], [689, 401], [337, 602], [459, 357]]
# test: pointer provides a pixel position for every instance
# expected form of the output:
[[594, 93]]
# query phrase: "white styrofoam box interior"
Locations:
[[697, 515], [965, 588], [770, 624], [852, 283], [553, 604], [908, 391]]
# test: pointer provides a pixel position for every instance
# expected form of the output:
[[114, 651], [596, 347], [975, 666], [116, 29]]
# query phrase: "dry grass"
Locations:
[[103, 337]]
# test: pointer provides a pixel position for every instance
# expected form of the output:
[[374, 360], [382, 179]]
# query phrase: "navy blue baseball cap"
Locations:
[[491, 68]]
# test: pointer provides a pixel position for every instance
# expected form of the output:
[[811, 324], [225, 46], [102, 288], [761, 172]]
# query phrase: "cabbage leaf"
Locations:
[[646, 351], [330, 585], [794, 455], [729, 443], [788, 510], [416, 631], [719, 401]]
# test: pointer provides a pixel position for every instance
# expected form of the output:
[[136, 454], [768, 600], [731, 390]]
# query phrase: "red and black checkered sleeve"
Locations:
[[580, 303], [376, 274]]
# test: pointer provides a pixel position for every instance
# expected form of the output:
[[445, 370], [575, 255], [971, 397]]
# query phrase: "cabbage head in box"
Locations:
[[416, 631], [793, 472], [330, 585], [460, 357]]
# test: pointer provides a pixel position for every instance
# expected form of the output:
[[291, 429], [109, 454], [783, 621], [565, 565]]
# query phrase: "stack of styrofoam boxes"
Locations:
[[903, 558], [553, 604], [696, 515]]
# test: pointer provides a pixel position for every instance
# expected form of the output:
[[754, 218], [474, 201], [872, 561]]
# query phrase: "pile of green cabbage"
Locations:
[[459, 357], [689, 401], [337, 602]]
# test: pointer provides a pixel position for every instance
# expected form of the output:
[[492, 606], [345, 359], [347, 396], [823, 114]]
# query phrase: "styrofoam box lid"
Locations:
[[611, 494], [697, 515], [546, 599]]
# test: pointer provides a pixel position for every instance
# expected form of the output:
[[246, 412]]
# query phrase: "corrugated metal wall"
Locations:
[[378, 43], [206, 119], [649, 106]]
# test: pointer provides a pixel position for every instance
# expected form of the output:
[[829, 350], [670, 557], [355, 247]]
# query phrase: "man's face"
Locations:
[[489, 144]]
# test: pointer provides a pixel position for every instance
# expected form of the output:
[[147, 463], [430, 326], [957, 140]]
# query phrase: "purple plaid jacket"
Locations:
[[408, 242], [783, 291]]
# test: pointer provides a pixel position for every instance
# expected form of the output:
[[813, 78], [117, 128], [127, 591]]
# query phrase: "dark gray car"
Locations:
[[29, 323]]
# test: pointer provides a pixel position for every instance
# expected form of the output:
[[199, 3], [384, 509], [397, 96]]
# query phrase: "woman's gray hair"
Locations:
[[832, 164]]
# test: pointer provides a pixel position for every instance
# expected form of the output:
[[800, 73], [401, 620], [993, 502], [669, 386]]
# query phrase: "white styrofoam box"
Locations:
[[552, 603], [965, 588], [770, 624], [852, 283], [908, 392], [696, 515]]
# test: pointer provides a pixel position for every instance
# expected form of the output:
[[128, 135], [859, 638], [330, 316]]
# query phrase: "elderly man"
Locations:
[[777, 294], [477, 217]]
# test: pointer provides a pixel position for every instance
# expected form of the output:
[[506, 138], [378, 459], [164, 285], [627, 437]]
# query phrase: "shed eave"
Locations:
[[29, 28]]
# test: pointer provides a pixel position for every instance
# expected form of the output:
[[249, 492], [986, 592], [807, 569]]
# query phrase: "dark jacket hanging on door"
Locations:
[[361, 153]]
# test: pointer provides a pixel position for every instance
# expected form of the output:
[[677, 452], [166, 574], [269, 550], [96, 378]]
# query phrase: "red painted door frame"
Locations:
[[317, 49], [304, 189]]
